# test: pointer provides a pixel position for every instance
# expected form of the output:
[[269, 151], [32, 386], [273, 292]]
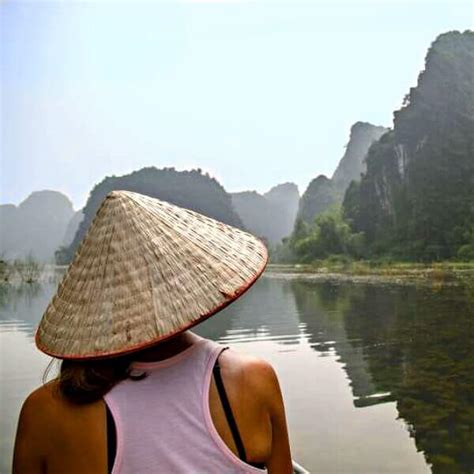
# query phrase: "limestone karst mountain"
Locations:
[[352, 164], [417, 197], [270, 215], [323, 192], [285, 197], [191, 189], [72, 227], [319, 196], [35, 227]]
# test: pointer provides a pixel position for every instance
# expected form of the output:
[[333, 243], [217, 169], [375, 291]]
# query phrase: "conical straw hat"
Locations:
[[145, 271]]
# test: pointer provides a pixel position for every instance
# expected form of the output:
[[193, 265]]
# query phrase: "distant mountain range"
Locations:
[[408, 190], [271, 215], [36, 227], [46, 223]]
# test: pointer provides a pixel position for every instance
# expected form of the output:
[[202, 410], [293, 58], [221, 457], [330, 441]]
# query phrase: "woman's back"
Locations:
[[172, 420], [164, 421]]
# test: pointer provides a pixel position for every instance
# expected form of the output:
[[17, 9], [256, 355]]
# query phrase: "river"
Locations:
[[376, 378]]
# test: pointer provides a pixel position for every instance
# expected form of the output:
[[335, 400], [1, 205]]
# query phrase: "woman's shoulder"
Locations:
[[37, 412], [40, 408], [41, 399], [47, 420], [251, 365], [255, 374], [46, 406]]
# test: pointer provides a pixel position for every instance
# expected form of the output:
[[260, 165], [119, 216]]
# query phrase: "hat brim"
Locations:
[[237, 294]]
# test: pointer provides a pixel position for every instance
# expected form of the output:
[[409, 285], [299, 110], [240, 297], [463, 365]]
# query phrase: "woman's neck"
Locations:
[[169, 348]]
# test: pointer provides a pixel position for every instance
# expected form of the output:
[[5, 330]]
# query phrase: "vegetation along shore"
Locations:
[[377, 272]]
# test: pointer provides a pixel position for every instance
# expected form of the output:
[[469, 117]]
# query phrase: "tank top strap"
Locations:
[[213, 350], [210, 352]]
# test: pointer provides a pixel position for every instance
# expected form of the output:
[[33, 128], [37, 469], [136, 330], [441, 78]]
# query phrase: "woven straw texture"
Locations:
[[145, 271]]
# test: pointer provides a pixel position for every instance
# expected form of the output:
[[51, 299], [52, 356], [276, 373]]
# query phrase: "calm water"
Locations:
[[375, 379]]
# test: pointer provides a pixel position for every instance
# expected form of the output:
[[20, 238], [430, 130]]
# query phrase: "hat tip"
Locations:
[[116, 193]]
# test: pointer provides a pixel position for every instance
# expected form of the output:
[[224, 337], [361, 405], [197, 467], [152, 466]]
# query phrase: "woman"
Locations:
[[137, 391]]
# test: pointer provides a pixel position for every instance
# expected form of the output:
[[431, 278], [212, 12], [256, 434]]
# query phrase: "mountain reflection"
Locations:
[[414, 346]]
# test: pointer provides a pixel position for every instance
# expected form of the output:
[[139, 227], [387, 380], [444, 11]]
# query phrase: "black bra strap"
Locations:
[[111, 439], [228, 411]]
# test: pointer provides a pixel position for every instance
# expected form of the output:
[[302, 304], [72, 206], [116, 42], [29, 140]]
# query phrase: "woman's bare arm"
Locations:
[[280, 458], [28, 456], [257, 403]]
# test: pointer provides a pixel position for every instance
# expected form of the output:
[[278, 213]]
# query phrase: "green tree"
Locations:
[[330, 234]]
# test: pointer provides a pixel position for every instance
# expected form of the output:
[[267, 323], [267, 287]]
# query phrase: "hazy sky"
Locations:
[[255, 92]]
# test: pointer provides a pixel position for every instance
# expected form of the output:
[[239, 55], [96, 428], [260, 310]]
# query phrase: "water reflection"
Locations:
[[267, 312], [21, 306], [412, 347]]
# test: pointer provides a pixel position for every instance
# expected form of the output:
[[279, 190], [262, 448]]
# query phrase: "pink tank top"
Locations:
[[163, 421]]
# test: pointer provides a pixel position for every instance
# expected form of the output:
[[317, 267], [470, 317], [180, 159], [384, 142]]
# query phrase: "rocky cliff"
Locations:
[[416, 198], [352, 164], [323, 192]]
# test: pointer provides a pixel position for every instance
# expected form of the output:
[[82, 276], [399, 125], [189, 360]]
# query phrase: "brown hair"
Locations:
[[85, 381]]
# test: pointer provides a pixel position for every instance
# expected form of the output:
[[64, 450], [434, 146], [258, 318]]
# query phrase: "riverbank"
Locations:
[[436, 274]]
